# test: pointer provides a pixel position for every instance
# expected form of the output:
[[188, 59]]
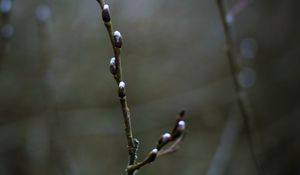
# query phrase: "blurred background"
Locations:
[[59, 110]]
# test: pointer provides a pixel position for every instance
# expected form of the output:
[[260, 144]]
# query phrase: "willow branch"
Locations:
[[132, 143], [116, 70], [176, 137]]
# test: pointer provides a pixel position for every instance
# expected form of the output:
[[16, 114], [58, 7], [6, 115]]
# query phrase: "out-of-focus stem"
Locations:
[[242, 99]]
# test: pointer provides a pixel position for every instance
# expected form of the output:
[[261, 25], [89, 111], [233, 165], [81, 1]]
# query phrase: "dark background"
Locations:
[[59, 111]]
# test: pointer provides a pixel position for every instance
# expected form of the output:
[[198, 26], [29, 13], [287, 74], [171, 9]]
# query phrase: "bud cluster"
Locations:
[[176, 133]]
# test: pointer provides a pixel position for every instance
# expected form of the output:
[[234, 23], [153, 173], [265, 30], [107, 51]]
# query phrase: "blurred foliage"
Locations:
[[58, 102]]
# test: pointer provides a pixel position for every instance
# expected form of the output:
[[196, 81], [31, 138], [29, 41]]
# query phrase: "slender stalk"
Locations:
[[131, 144], [242, 100]]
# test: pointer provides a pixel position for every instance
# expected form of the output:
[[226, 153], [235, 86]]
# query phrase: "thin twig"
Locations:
[[176, 136], [131, 143], [242, 99]]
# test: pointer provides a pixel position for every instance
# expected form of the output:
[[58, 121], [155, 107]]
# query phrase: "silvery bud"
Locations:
[[106, 13], [153, 155], [118, 39], [122, 89], [181, 125], [164, 138], [112, 66]]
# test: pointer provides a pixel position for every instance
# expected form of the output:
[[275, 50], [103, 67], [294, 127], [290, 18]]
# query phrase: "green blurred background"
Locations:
[[59, 111]]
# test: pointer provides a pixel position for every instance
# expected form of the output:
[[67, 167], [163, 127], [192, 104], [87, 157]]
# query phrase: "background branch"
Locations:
[[242, 98]]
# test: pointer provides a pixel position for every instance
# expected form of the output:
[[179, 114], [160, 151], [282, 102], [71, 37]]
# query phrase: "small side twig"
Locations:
[[176, 137]]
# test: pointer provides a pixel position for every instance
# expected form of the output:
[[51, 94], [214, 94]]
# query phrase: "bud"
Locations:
[[105, 13], [122, 89], [118, 39], [153, 155], [181, 125], [112, 66], [165, 137]]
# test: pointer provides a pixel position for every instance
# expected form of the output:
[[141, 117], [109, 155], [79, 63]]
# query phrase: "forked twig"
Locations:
[[115, 65]]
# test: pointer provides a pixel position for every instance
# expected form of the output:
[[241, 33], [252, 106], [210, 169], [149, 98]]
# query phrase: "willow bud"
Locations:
[[153, 155], [112, 66], [106, 13], [164, 138], [181, 125], [118, 39], [122, 89]]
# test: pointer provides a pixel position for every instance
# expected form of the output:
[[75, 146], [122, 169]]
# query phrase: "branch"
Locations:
[[116, 70], [242, 99], [176, 136]]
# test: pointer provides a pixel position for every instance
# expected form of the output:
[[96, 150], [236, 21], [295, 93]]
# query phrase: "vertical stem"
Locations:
[[131, 143], [242, 99]]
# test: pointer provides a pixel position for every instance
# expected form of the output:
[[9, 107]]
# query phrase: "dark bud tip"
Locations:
[[106, 13], [180, 115], [182, 112], [118, 39]]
